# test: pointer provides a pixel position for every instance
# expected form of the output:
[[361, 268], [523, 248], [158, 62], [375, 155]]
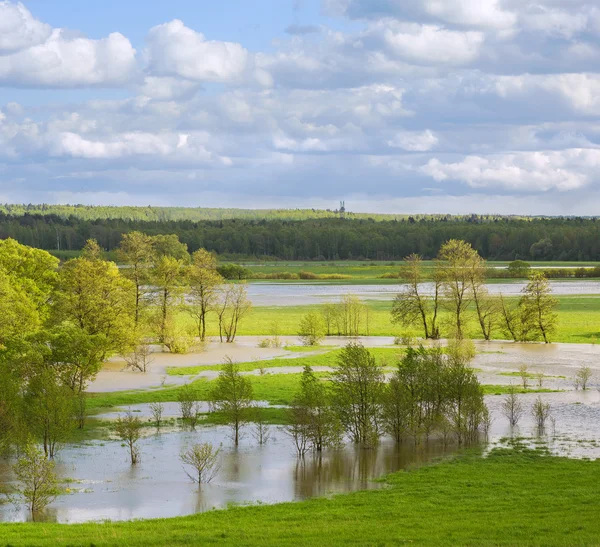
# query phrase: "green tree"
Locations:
[[357, 385], [38, 482], [136, 250], [232, 395], [311, 412], [539, 306], [457, 261], [129, 429], [205, 283], [92, 295], [311, 329], [49, 410], [411, 306], [167, 277]]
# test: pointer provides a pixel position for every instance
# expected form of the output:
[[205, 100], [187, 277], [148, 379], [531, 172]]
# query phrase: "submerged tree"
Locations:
[[232, 395], [512, 407], [38, 482], [357, 386], [204, 459], [311, 329], [129, 430]]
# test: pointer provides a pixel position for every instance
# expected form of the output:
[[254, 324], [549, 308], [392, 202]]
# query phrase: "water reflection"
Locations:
[[158, 487]]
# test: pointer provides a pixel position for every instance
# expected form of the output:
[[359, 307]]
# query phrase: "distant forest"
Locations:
[[334, 238]]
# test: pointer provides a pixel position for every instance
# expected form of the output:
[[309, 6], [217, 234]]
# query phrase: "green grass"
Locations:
[[512, 497], [578, 320], [384, 356]]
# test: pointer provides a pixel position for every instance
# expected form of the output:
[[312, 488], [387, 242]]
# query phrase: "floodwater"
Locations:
[[108, 487], [295, 294]]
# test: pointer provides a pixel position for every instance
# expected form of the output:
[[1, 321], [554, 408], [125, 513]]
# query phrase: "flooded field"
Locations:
[[296, 294], [107, 487]]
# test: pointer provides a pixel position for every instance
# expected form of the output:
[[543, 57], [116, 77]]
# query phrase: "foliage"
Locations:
[[311, 329], [129, 430], [232, 395], [357, 387], [38, 482]]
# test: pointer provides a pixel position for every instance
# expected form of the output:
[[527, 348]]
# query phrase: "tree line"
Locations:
[[494, 238]]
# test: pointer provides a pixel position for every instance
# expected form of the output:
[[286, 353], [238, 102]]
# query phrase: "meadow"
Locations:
[[514, 496], [578, 321]]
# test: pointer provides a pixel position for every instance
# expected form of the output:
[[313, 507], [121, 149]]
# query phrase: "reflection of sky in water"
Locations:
[[294, 294], [159, 487]]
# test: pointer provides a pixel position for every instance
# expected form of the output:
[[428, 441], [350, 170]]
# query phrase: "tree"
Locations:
[[232, 395], [136, 250], [411, 306], [92, 295], [485, 306], [538, 305], [357, 385], [140, 358], [167, 278], [582, 377], [512, 407], [33, 270], [233, 306], [49, 410], [203, 458], [311, 329], [37, 478], [457, 262], [129, 430], [541, 412], [519, 268], [205, 283], [312, 406]]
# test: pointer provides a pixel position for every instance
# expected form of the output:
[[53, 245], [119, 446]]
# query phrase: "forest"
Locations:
[[336, 238]]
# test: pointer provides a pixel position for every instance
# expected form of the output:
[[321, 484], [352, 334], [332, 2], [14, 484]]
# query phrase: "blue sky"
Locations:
[[486, 106]]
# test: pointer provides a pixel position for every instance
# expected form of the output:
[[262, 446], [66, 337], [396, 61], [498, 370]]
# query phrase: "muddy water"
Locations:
[[294, 294], [108, 487]]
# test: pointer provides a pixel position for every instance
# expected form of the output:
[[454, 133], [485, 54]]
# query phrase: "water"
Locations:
[[108, 487], [294, 294]]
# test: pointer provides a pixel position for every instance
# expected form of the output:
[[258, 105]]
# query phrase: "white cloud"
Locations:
[[580, 91], [414, 141], [66, 61], [527, 171], [19, 29], [432, 44], [172, 49]]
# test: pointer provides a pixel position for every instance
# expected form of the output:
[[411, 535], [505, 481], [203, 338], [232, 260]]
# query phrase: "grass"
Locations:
[[515, 496], [384, 356], [578, 320]]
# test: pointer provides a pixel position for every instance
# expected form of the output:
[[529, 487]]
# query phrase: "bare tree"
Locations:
[[512, 407], [203, 458], [524, 374], [262, 432], [129, 430], [157, 410], [232, 307], [541, 412], [140, 358]]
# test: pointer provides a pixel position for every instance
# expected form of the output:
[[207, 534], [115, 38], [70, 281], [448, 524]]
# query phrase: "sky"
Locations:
[[395, 106]]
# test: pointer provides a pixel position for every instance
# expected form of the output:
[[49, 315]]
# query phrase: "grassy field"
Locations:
[[514, 496], [578, 321]]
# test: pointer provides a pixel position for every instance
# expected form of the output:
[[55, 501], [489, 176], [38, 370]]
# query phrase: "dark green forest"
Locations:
[[495, 238]]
